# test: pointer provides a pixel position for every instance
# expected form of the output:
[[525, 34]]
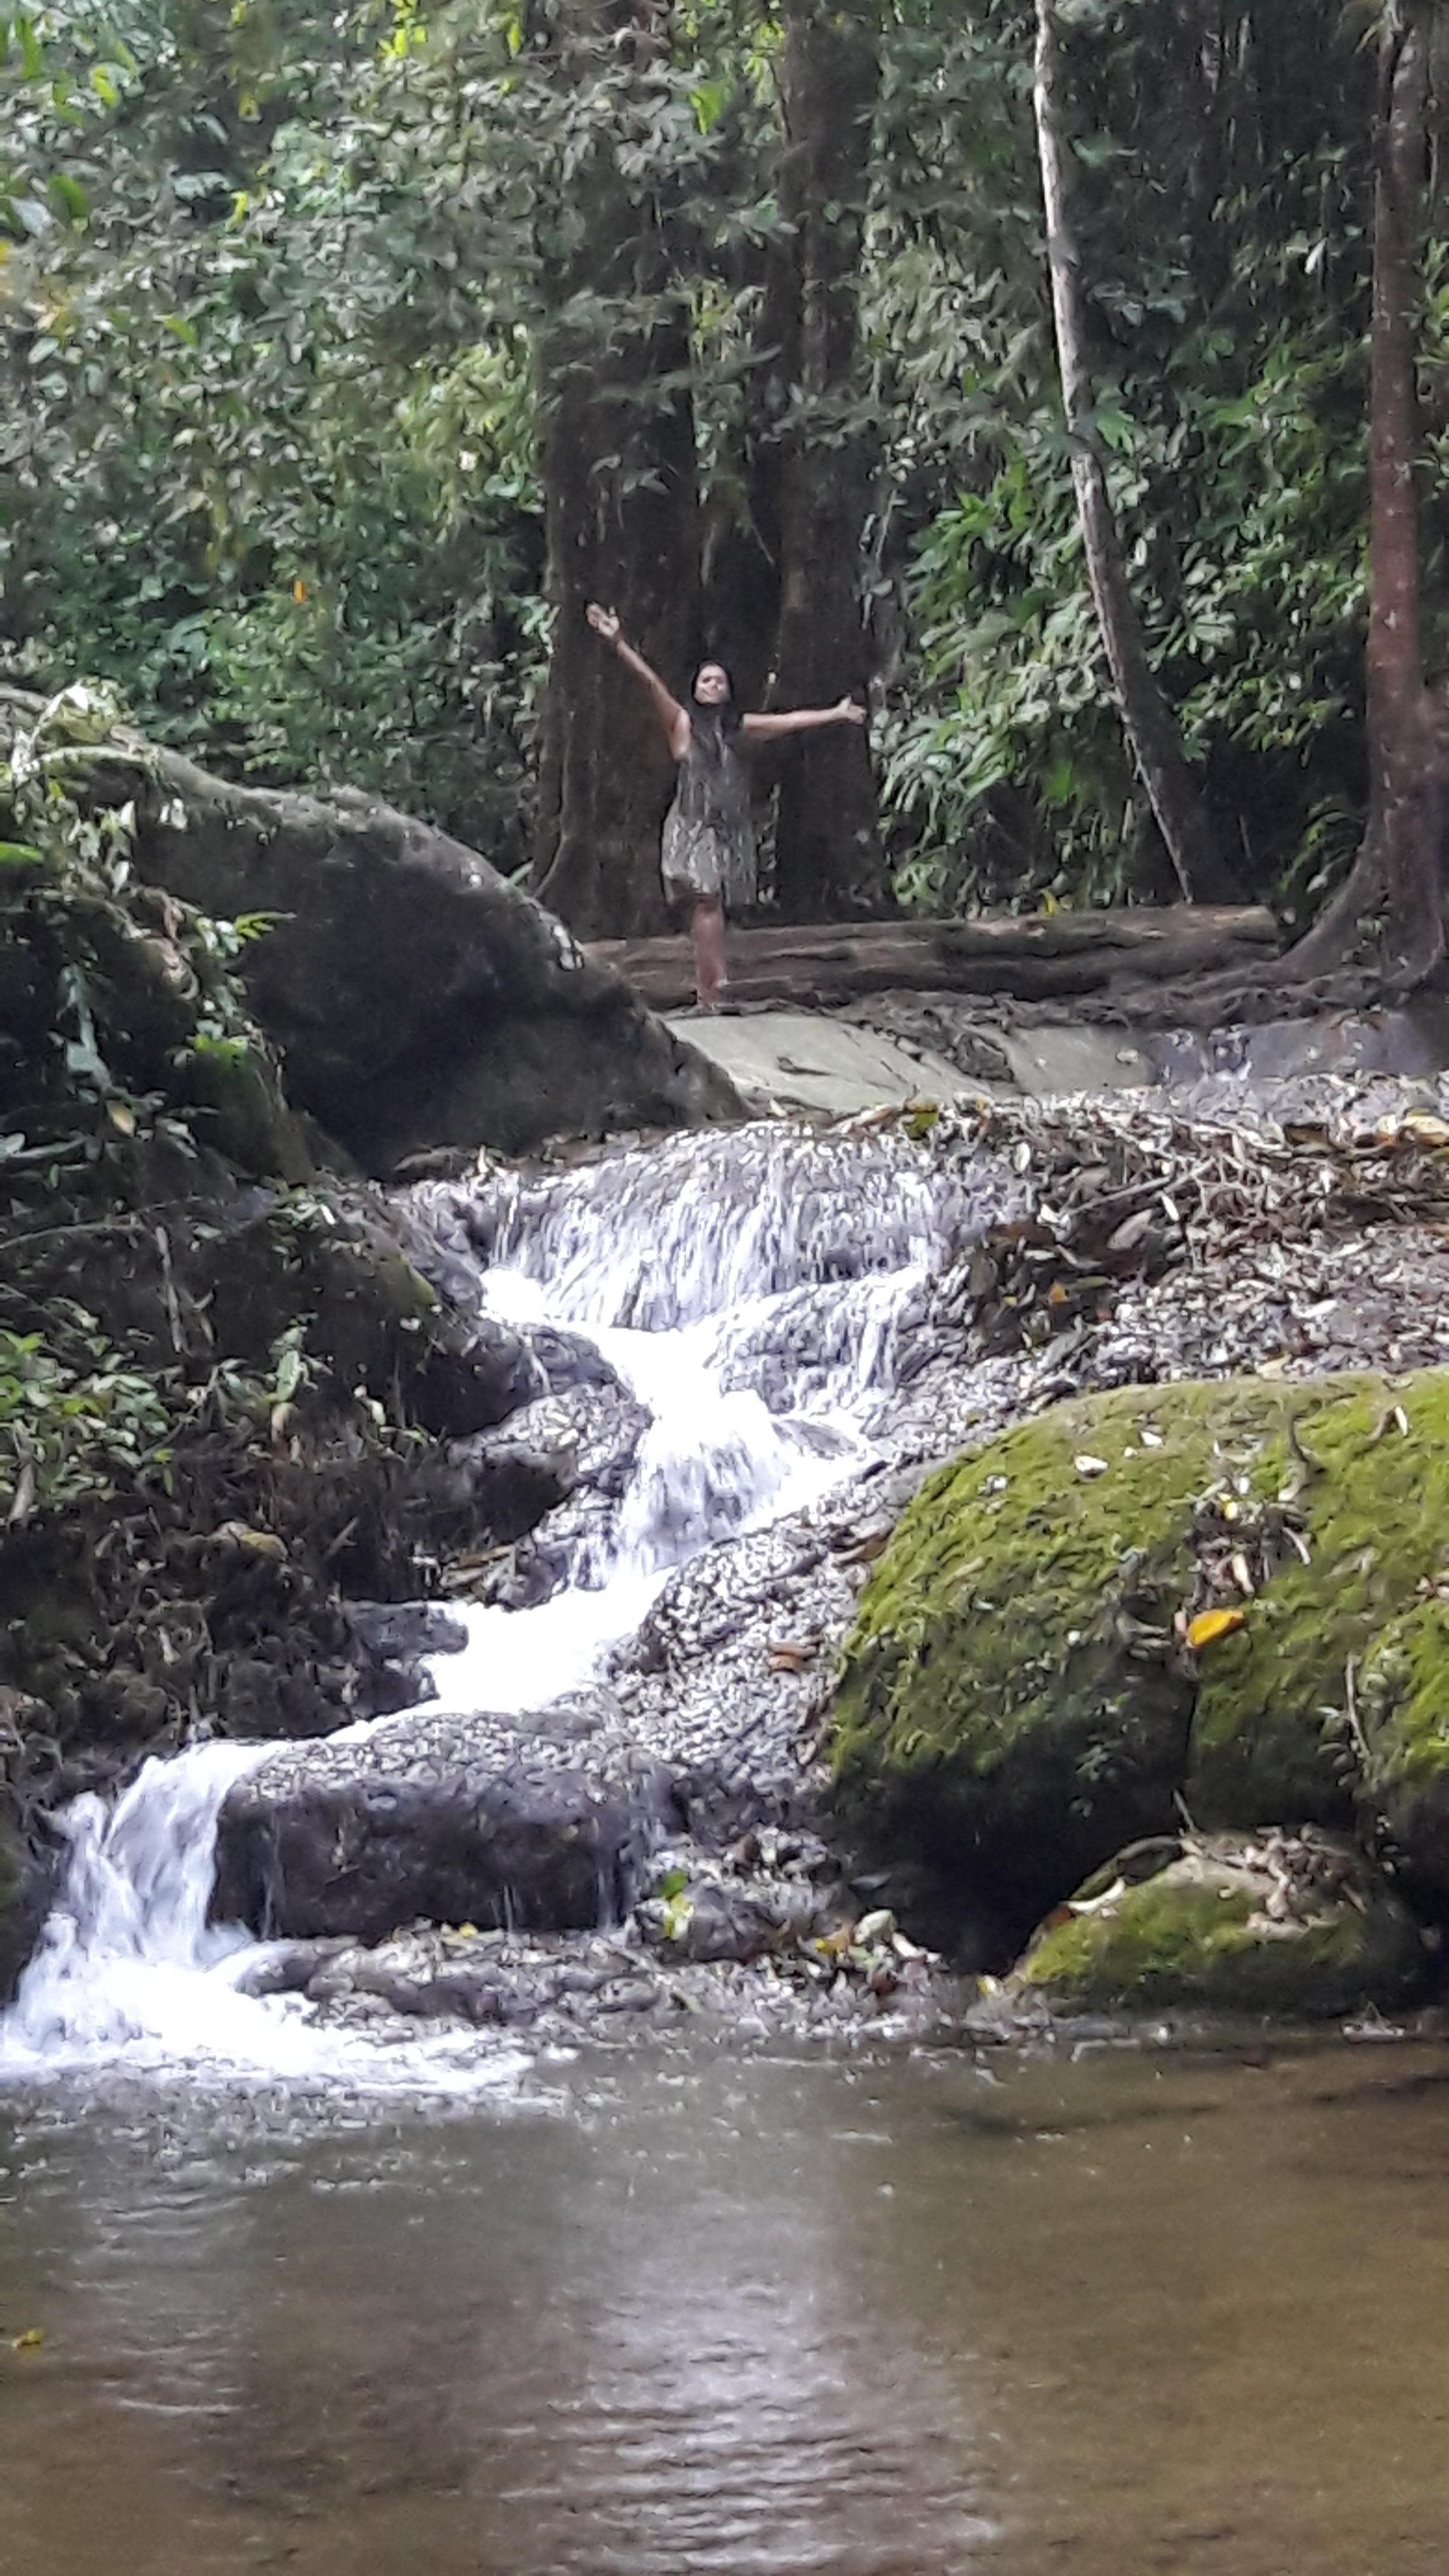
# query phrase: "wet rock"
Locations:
[[610, 1988], [569, 1361], [402, 1632], [595, 1428], [512, 1487], [454, 1819], [1294, 1924], [482, 1378], [328, 1666], [17, 1931], [589, 1437], [708, 1919], [339, 1257], [29, 1861], [290, 1968]]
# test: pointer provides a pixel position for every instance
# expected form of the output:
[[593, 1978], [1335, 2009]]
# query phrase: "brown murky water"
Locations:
[[901, 2316]]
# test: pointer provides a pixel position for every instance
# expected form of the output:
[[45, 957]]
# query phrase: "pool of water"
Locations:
[[886, 2316]]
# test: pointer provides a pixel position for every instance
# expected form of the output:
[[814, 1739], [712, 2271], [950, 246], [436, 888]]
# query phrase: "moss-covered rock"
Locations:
[[1291, 1924], [1403, 1734], [1018, 1699]]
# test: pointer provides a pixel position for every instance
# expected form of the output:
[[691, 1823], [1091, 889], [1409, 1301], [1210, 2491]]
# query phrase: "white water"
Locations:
[[670, 1280]]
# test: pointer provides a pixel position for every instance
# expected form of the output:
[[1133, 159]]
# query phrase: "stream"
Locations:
[[891, 2314], [279, 2294], [686, 1272]]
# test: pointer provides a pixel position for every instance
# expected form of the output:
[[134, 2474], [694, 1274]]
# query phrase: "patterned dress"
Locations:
[[709, 841]]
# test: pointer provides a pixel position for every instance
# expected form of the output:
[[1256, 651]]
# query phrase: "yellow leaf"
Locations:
[[1209, 1625], [299, 590], [1425, 1129], [121, 1118], [30, 2341]]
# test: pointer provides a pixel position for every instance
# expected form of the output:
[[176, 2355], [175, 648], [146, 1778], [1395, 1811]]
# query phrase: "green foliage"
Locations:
[[118, 993], [1222, 209], [289, 517], [70, 1431], [118, 999], [282, 295]]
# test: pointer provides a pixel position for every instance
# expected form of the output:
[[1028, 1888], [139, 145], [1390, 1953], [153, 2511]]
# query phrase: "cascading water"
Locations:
[[702, 1271]]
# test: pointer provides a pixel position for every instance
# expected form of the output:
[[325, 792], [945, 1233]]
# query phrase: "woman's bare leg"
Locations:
[[708, 931]]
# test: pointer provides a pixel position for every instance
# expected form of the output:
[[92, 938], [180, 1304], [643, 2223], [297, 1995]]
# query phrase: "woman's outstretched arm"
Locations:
[[673, 717], [801, 720]]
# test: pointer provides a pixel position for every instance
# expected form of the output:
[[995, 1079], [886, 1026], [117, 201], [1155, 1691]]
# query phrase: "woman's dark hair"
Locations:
[[715, 729]]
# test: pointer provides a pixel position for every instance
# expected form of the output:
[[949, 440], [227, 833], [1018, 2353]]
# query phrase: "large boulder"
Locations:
[[1158, 1595], [418, 997], [544, 1823], [1293, 1924]]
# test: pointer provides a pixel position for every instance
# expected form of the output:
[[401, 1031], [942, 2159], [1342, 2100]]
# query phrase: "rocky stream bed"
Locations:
[[896, 1536]]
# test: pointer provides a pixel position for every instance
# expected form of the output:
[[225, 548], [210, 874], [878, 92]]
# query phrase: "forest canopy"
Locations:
[[346, 347]]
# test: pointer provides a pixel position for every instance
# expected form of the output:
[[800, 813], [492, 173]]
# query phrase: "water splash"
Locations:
[[702, 1224]]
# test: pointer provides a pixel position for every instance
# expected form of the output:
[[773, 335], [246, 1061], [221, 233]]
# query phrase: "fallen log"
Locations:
[[1024, 957]]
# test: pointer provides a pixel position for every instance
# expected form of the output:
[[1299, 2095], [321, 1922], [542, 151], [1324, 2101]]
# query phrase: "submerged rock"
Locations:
[[1156, 1593], [1296, 1924]]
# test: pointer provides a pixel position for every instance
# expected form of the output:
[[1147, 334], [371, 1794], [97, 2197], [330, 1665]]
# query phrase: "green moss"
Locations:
[[1403, 1694], [1376, 1510], [1013, 1693], [232, 1081], [1403, 1697], [1196, 1936]]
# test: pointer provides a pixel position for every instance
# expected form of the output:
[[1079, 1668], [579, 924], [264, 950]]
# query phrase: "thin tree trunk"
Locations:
[[620, 494], [1147, 719], [827, 842]]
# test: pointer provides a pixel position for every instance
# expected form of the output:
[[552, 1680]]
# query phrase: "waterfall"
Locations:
[[699, 1269]]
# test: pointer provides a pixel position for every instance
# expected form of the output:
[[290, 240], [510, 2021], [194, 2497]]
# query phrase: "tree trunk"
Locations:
[[620, 497], [1397, 868], [828, 858], [1147, 719]]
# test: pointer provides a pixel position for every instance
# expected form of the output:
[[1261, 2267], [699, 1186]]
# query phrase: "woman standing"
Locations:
[[708, 858]]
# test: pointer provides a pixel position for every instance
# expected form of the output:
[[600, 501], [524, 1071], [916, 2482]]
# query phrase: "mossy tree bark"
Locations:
[[620, 498]]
